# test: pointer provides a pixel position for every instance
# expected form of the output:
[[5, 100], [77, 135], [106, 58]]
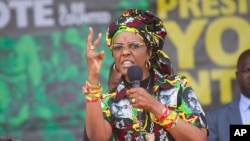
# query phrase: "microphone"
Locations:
[[135, 76]]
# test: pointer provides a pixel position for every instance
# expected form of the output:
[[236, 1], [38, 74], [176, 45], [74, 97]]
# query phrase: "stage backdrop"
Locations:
[[43, 68]]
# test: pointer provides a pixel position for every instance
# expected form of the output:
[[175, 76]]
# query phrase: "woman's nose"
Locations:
[[126, 51]]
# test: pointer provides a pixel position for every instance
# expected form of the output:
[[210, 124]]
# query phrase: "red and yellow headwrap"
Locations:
[[149, 28]]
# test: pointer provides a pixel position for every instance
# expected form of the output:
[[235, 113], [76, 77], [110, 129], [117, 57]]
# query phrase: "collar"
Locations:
[[158, 81], [244, 103]]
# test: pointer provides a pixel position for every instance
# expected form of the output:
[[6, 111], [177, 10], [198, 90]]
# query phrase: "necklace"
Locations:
[[140, 111], [145, 83], [150, 136]]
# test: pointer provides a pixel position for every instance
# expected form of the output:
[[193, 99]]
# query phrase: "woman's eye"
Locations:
[[117, 47], [133, 46]]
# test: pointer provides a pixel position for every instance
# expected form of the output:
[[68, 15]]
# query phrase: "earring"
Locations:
[[114, 68], [148, 65]]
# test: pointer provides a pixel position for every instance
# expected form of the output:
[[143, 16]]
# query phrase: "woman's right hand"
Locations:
[[94, 59]]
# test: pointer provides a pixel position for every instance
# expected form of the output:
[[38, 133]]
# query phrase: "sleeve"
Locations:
[[105, 102], [188, 106]]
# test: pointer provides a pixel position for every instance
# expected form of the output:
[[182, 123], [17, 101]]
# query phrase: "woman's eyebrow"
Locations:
[[127, 42]]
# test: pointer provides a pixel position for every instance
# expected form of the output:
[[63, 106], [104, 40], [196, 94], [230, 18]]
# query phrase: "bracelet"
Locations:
[[93, 86], [165, 113], [92, 96], [171, 120], [173, 123], [92, 100], [91, 89], [168, 119], [92, 92]]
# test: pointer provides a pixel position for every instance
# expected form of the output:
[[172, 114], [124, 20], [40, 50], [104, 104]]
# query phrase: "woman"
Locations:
[[137, 38]]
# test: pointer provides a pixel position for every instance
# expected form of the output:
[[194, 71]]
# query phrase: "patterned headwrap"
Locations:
[[150, 29]]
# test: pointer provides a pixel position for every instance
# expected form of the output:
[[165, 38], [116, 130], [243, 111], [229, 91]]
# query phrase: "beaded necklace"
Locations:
[[149, 136]]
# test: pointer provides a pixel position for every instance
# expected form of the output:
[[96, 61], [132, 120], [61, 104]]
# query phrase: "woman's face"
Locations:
[[128, 49]]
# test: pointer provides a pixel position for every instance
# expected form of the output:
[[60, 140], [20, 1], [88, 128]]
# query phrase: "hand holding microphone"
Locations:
[[135, 76]]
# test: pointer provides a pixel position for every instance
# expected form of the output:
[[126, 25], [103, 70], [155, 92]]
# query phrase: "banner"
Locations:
[[204, 41], [43, 67]]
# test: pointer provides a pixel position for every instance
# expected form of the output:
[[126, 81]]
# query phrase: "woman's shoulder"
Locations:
[[177, 80], [175, 76]]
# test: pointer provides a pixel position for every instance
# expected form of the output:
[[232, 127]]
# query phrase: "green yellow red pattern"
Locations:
[[171, 90]]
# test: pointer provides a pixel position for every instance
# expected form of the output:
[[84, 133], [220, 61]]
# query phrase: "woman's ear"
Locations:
[[149, 54]]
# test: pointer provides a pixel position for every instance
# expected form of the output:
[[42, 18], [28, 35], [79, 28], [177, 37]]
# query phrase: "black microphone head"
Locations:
[[134, 73]]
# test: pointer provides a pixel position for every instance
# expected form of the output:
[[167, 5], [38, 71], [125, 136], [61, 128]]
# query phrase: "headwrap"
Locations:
[[150, 29]]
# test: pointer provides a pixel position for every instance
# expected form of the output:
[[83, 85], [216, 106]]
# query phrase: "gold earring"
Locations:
[[115, 69], [148, 65]]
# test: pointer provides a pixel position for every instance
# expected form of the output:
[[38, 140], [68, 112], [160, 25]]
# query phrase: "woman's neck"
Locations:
[[145, 75], [146, 80]]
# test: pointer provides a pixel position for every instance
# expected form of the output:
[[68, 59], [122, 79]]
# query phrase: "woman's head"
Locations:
[[141, 22], [139, 36], [129, 49]]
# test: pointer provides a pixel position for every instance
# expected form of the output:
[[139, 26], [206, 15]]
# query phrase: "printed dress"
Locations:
[[171, 91]]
